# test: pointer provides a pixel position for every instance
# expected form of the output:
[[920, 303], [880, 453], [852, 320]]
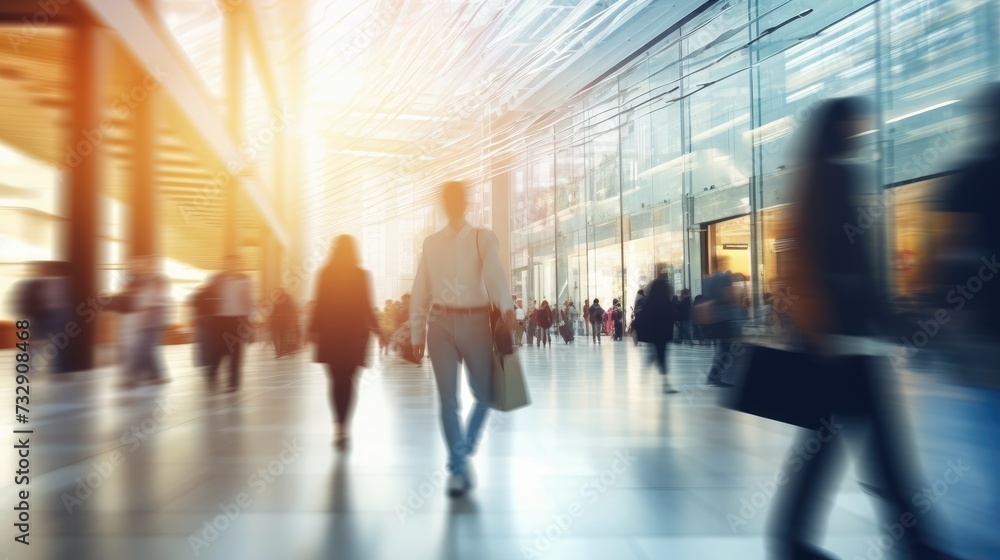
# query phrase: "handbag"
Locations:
[[789, 386], [509, 389]]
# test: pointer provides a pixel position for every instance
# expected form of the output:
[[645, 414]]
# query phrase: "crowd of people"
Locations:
[[836, 316]]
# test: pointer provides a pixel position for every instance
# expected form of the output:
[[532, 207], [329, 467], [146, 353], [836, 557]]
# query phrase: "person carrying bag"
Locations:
[[461, 310]]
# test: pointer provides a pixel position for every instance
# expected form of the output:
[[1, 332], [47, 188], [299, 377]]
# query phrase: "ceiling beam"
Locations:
[[151, 51], [259, 28]]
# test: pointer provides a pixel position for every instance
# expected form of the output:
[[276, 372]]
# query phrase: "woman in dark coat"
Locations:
[[342, 297]]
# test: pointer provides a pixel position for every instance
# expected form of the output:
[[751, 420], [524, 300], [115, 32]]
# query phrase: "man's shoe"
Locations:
[[668, 388], [719, 383]]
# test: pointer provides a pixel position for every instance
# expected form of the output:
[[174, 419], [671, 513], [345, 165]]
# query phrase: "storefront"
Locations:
[[686, 155]]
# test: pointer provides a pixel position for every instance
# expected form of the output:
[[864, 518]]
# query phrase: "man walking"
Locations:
[[234, 292], [458, 276]]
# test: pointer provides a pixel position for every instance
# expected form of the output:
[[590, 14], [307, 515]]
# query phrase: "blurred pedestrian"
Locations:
[[43, 299], [968, 253], [544, 319], [655, 323], [234, 292], [387, 326], [521, 317], [618, 320], [719, 295], [683, 314], [149, 295], [284, 323], [837, 312], [596, 314], [532, 330], [455, 323], [343, 290]]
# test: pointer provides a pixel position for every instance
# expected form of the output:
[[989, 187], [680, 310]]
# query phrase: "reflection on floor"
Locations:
[[601, 465]]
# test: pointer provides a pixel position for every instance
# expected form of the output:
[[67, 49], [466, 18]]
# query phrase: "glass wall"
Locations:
[[682, 158]]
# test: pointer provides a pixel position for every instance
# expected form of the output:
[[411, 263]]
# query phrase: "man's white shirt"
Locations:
[[450, 275], [235, 293]]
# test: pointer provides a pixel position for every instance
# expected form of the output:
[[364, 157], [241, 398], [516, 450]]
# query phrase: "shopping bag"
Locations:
[[789, 386], [509, 389]]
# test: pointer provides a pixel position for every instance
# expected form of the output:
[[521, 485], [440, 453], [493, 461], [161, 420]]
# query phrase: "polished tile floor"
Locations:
[[601, 465]]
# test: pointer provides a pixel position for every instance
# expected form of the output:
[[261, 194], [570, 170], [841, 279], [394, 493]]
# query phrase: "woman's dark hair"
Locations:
[[823, 189], [345, 251], [827, 134]]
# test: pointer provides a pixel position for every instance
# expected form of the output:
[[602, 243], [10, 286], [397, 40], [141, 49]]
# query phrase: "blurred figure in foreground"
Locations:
[[233, 292], [971, 244], [654, 323], [457, 329], [343, 291], [838, 312]]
